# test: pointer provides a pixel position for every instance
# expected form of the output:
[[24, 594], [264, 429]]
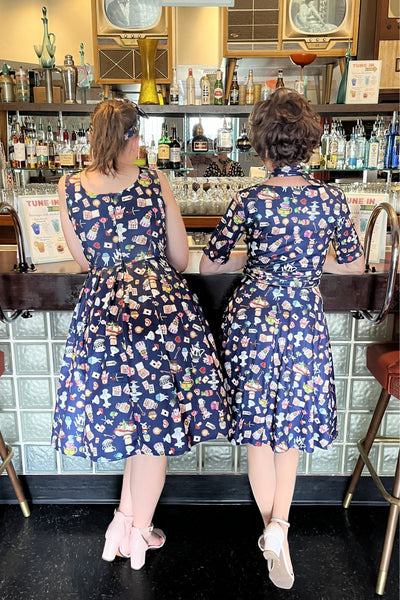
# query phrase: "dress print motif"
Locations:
[[140, 373], [276, 348]]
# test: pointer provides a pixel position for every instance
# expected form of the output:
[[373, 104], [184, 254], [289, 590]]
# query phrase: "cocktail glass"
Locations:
[[302, 59]]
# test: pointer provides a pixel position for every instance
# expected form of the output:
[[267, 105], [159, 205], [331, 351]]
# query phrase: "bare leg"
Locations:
[[142, 485], [272, 478]]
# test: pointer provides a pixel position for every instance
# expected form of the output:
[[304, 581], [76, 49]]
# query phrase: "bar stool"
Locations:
[[6, 454], [383, 362]]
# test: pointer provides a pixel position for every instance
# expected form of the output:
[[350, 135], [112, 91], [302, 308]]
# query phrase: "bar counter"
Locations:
[[211, 472], [56, 286]]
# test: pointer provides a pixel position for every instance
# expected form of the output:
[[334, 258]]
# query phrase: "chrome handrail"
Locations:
[[394, 259], [23, 266], [7, 209]]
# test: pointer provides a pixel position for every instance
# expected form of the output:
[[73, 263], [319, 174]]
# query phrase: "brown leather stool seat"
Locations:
[[383, 362], [6, 454]]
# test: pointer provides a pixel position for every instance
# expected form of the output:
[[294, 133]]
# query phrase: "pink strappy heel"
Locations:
[[139, 545], [271, 544], [118, 537]]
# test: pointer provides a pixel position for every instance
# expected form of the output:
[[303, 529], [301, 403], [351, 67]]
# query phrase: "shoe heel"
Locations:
[[273, 541], [138, 549], [110, 550]]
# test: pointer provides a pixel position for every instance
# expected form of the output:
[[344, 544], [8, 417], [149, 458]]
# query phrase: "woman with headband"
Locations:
[[140, 378]]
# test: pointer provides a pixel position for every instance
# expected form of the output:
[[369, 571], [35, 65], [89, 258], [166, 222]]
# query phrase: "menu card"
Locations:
[[40, 216], [361, 205], [363, 81]]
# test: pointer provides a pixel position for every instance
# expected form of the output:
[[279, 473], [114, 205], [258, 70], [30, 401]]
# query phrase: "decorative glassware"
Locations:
[[341, 97], [148, 89], [302, 59], [46, 52]]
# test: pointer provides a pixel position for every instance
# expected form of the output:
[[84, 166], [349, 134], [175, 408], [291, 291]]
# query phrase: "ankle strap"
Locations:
[[148, 529], [281, 521]]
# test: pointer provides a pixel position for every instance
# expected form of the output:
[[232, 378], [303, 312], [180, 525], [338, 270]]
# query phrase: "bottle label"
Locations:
[[19, 151], [42, 150], [218, 93], [163, 151], [174, 98], [200, 146], [67, 160], [373, 155], [234, 96], [175, 155]]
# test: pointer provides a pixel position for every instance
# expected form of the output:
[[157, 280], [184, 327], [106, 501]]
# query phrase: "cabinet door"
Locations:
[[251, 27], [387, 46]]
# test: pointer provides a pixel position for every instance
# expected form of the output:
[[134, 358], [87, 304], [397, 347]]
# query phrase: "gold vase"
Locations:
[[148, 89]]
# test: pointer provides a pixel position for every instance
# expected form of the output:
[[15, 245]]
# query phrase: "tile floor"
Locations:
[[211, 554]]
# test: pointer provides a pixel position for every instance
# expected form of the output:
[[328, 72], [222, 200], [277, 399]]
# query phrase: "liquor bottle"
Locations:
[[163, 154], [199, 141], [265, 92], [205, 90], [234, 91], [67, 154], [243, 142], [174, 89], [341, 149], [152, 154], [219, 89], [372, 152], [314, 161], [73, 137], [392, 152], [361, 144], [333, 148], [224, 138], [30, 145], [351, 151], [190, 89], [51, 146], [42, 150], [325, 147], [85, 153], [175, 151], [380, 134], [279, 82], [250, 88], [18, 142]]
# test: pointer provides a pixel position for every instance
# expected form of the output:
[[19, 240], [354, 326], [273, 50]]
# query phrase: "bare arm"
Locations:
[[71, 238], [356, 267], [177, 250], [236, 262]]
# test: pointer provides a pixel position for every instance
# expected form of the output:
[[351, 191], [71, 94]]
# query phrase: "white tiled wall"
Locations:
[[33, 352]]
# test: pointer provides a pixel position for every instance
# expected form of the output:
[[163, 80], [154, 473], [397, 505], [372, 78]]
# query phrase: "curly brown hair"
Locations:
[[111, 120], [284, 128]]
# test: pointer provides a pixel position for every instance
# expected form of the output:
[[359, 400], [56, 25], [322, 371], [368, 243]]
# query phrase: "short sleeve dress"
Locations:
[[276, 349], [140, 373]]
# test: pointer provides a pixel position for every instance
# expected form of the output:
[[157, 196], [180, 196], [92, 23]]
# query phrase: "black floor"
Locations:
[[211, 554]]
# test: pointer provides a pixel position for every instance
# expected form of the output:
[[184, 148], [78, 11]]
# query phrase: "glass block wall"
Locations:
[[33, 353]]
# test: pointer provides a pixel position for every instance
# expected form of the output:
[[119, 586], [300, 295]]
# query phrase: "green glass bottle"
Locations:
[[341, 97]]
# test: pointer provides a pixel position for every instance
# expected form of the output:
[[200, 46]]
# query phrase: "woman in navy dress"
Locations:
[[276, 348], [140, 379]]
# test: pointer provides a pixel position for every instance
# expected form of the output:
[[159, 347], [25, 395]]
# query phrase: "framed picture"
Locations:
[[363, 82], [361, 205], [40, 217]]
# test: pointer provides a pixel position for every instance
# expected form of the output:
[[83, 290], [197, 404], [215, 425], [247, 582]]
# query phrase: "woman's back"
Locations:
[[120, 227]]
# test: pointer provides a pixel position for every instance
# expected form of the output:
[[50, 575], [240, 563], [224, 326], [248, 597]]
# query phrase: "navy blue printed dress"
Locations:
[[276, 349], [140, 373]]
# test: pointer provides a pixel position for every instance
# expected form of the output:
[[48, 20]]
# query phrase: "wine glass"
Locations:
[[302, 59]]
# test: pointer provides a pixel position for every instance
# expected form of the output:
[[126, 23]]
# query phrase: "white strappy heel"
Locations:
[[271, 544], [139, 545]]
